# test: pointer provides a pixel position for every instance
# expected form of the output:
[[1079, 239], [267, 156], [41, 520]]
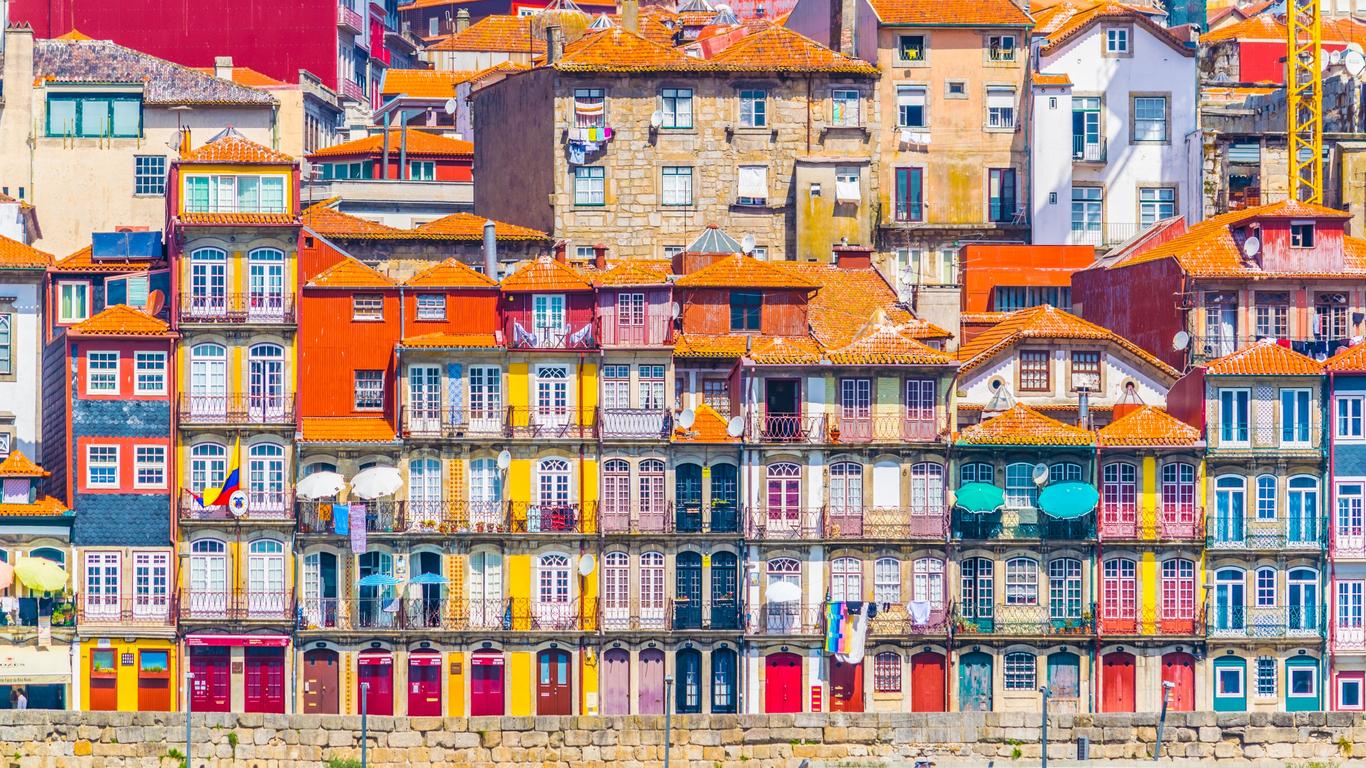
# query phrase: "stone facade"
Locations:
[[113, 740]]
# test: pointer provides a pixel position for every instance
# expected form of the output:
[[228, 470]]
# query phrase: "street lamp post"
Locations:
[[1167, 687], [364, 713], [189, 709], [668, 716], [1043, 727]]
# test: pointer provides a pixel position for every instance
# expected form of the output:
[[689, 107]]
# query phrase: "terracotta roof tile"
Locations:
[[785, 350], [849, 298], [951, 12], [633, 272], [708, 426], [327, 221], [423, 83], [229, 146], [330, 222], [467, 226], [1067, 20], [1264, 359], [121, 320], [78, 59], [709, 345], [452, 341], [451, 274], [1043, 78], [1148, 426], [779, 49], [1351, 359], [46, 506], [740, 271], [545, 274], [17, 255], [1268, 27], [247, 76], [344, 429], [883, 342], [1050, 323], [16, 464], [1023, 425], [420, 144], [238, 219], [499, 33], [350, 273], [84, 261], [618, 50]]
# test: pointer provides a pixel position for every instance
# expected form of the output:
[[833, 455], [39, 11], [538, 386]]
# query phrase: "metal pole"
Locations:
[[189, 709], [1043, 727], [364, 711], [668, 717], [1167, 687]]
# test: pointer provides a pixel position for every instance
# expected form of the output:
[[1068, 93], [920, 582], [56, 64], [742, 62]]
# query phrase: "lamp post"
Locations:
[[1167, 687], [668, 716], [189, 709], [1043, 727], [364, 712]]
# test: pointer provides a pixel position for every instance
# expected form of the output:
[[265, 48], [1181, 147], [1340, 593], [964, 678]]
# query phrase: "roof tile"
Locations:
[[345, 429], [16, 464], [17, 255], [1352, 359], [84, 261], [121, 320], [722, 345], [451, 274], [330, 222], [951, 12], [496, 33], [82, 60], [779, 49], [545, 274], [632, 273], [1265, 358], [886, 343], [619, 50], [1148, 426], [247, 76], [423, 83], [420, 144], [467, 226], [452, 341], [45, 506], [708, 426], [740, 271], [1023, 425], [350, 273], [238, 219], [1051, 323], [229, 146]]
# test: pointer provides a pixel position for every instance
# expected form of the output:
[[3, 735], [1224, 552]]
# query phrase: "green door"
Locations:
[[1064, 675], [1302, 684], [1230, 684], [974, 682]]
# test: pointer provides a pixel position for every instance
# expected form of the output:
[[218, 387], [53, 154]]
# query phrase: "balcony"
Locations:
[[1265, 621], [1300, 438], [237, 308], [784, 524], [569, 616], [1148, 621], [353, 90], [551, 424], [1348, 638], [898, 621], [1178, 524], [400, 613], [1084, 151], [262, 506], [115, 611], [568, 337], [617, 518], [236, 605], [930, 523], [634, 423], [787, 428], [636, 616], [453, 423], [349, 19], [1024, 621], [1018, 524], [1216, 345], [26, 612], [436, 517], [263, 410], [687, 615], [654, 332], [882, 429], [724, 518], [785, 619], [1230, 532], [1349, 545], [553, 518]]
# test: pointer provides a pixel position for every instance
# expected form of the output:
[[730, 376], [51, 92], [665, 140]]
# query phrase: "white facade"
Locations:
[[21, 374], [1118, 369], [1094, 180]]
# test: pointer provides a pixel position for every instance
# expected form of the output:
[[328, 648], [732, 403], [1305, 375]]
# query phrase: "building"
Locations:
[[997, 279], [1113, 118], [22, 315], [422, 98], [493, 40], [405, 177], [1252, 50], [78, 109], [331, 233], [311, 116], [434, 19], [1346, 549]]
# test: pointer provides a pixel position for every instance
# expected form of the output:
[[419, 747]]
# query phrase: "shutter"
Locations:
[[455, 393], [607, 311], [455, 603], [457, 493]]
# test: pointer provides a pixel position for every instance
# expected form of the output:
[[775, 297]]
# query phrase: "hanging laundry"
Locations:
[[834, 620], [340, 524], [608, 133], [920, 611], [578, 153], [357, 515], [853, 638]]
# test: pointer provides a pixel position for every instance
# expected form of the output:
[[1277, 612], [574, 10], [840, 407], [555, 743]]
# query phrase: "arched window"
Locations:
[[1120, 589], [723, 681], [1265, 587], [1020, 671], [1302, 604], [1064, 472], [266, 396], [1021, 492], [1064, 588], [784, 499], [1266, 497], [616, 495], [314, 467], [927, 489], [208, 578], [208, 465], [651, 484], [1302, 508], [927, 583], [266, 547], [1177, 516], [782, 596], [50, 554], [1178, 591], [552, 580], [887, 581], [887, 672], [424, 492], [207, 546], [208, 283], [1120, 513], [554, 511], [208, 382], [1229, 600], [976, 472], [1230, 504], [846, 580], [616, 590], [266, 479], [846, 487], [1022, 581], [652, 589]]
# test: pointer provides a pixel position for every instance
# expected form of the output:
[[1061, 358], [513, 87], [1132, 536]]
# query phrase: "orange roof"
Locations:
[[420, 143], [17, 255], [246, 76], [45, 506], [545, 274], [467, 226], [330, 222], [350, 273], [121, 320], [347, 429], [84, 261], [1023, 425], [16, 464], [1351, 359], [618, 50], [423, 83], [634, 272], [849, 298], [1264, 359], [1043, 78], [785, 350], [237, 219], [232, 147], [1064, 21], [708, 426], [779, 49], [451, 274], [452, 341], [724, 345], [1268, 27], [951, 13], [1050, 323], [740, 271], [498, 32], [883, 342], [1148, 426], [74, 35]]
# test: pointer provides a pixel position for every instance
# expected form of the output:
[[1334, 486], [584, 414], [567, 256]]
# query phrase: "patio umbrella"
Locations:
[[320, 485], [1065, 501], [6, 575], [379, 580], [376, 482], [40, 575], [429, 578], [783, 592], [980, 497]]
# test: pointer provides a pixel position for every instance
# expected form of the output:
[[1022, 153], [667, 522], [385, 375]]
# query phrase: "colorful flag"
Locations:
[[232, 483]]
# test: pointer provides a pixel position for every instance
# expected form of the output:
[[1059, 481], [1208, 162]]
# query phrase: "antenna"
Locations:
[[656, 119], [1251, 247], [504, 460], [686, 418], [677, 310], [451, 105], [1355, 62], [1181, 340], [747, 244], [735, 427], [1040, 473]]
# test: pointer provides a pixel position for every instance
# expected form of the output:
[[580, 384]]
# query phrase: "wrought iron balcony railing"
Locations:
[[1174, 524], [1264, 621], [784, 619], [634, 423], [1146, 621], [142, 611], [235, 605], [882, 429], [1023, 620], [236, 308], [1021, 524], [262, 506], [925, 522], [264, 410], [1228, 531], [899, 621]]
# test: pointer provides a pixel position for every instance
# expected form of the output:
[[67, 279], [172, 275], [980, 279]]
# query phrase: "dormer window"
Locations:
[[745, 310], [238, 193], [1301, 234]]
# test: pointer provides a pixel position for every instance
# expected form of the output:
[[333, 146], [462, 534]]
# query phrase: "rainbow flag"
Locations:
[[846, 631], [232, 482]]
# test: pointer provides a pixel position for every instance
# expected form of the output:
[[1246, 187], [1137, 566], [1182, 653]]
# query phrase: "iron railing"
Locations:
[[1150, 620], [780, 619], [454, 423], [688, 518], [1021, 524], [1264, 621], [634, 423], [929, 522], [881, 429], [551, 423], [236, 308], [144, 611], [274, 410], [1166, 524], [898, 621], [436, 517], [262, 506], [784, 524], [235, 605], [1238, 532], [1024, 620]]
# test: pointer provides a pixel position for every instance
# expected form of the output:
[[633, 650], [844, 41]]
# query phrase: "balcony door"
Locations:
[[424, 494], [208, 579], [102, 576], [208, 283], [554, 606], [265, 578], [486, 590], [266, 396], [552, 396], [1302, 600], [208, 381], [784, 500], [424, 398], [320, 590], [548, 319], [1229, 600], [266, 284], [266, 481]]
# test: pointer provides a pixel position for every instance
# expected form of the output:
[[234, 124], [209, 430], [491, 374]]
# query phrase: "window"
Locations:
[[1270, 314], [920, 400], [745, 310], [716, 393], [887, 672], [1264, 587], [364, 169], [1117, 41], [887, 580], [1349, 418], [911, 109], [1086, 211], [977, 588], [753, 108], [1086, 370], [431, 306], [844, 108], [1266, 677], [590, 109], [1086, 140], [910, 194], [1020, 672], [1301, 680], [616, 386], [149, 174], [6, 343], [910, 49], [753, 185], [1001, 206], [367, 306], [1155, 204], [676, 104], [651, 382], [149, 466], [1150, 118], [149, 373], [486, 394], [1034, 370], [1349, 693], [589, 185], [102, 466], [1001, 48], [102, 373], [676, 185], [1266, 497], [1301, 234], [243, 193], [73, 302], [1000, 107], [433, 26], [1233, 415], [1295, 416], [1022, 581], [1020, 491], [94, 116], [955, 89], [927, 582], [369, 390], [1009, 298], [977, 472], [1064, 589], [1330, 316], [847, 187], [1228, 681], [422, 170]]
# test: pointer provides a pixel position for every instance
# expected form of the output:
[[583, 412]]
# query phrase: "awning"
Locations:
[[20, 665], [253, 641], [429, 578], [1068, 500], [980, 497]]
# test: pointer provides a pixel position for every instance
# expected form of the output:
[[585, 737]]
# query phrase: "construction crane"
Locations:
[[1304, 95]]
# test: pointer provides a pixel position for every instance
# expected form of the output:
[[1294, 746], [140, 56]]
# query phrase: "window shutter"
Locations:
[[455, 574], [457, 492], [455, 393]]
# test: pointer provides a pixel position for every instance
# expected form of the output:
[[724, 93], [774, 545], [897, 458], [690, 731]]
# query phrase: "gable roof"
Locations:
[[633, 272], [467, 226], [423, 83], [327, 221], [545, 274], [1022, 425], [951, 13], [619, 50], [121, 320], [350, 273], [1264, 358], [17, 255], [16, 464], [1066, 21], [247, 76], [1349, 360], [850, 299], [450, 274], [420, 143], [73, 59], [1270, 27], [1147, 426], [230, 146], [498, 33], [886, 343], [779, 49], [740, 271], [1047, 322]]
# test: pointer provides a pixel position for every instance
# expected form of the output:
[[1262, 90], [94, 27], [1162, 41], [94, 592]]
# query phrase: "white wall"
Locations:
[[20, 392], [1117, 368]]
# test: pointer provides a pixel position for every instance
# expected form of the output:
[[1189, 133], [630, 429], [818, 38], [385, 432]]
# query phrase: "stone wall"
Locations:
[[37, 739]]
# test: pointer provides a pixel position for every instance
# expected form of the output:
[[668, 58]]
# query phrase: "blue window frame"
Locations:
[[94, 115]]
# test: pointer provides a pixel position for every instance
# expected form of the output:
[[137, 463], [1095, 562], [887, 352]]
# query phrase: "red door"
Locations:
[[846, 686], [927, 682], [424, 685], [486, 684], [554, 687], [1117, 682], [783, 683], [377, 670], [154, 681], [321, 688], [104, 680], [264, 680], [210, 690], [1179, 669]]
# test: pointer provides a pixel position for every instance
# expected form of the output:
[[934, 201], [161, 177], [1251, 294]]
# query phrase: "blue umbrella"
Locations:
[[379, 580], [429, 578], [980, 497], [1065, 501]]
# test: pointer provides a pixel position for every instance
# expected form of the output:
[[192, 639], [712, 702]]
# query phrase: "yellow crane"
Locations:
[[1304, 95]]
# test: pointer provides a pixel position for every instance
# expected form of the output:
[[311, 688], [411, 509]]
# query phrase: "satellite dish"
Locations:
[[1181, 340], [586, 564], [677, 310], [451, 104], [1251, 247], [656, 119], [747, 244], [504, 460], [686, 418], [155, 301], [1355, 62], [1040, 473], [1335, 57], [735, 427]]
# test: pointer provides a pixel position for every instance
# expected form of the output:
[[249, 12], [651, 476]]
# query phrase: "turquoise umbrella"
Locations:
[[980, 497], [1065, 501], [378, 580]]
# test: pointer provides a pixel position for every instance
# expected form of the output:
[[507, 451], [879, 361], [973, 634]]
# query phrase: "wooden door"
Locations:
[[846, 686], [554, 683], [974, 682], [927, 682], [424, 685], [486, 684], [1117, 682], [264, 680], [154, 681], [376, 670], [1179, 669], [782, 683], [210, 690], [651, 701], [104, 680], [322, 692], [616, 682]]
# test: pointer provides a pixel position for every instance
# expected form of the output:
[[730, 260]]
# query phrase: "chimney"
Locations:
[[630, 15], [559, 251], [853, 256], [490, 250], [842, 14], [462, 20], [600, 256], [554, 44], [185, 145], [222, 67]]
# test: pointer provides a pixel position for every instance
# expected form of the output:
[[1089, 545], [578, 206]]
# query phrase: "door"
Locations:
[[554, 691], [102, 579], [688, 591], [552, 397], [486, 684], [320, 590], [208, 283], [424, 398], [688, 498], [927, 682], [486, 399], [1064, 678], [154, 681], [1117, 682], [376, 670], [208, 579], [1302, 600], [1302, 684], [548, 320], [974, 682], [424, 685], [1230, 684], [104, 678], [208, 382], [616, 682], [209, 691], [782, 683], [856, 409], [1179, 670], [782, 409], [486, 591], [784, 500], [688, 691], [725, 610], [846, 686], [264, 680], [322, 693], [266, 284], [266, 383], [651, 696]]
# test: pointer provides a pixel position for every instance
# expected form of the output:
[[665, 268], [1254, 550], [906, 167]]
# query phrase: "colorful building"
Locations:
[[22, 338], [1346, 546]]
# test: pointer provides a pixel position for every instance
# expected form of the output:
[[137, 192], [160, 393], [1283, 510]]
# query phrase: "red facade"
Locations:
[[332, 346]]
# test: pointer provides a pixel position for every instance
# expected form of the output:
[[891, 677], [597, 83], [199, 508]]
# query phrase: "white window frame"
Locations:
[[431, 306], [753, 108], [152, 365], [62, 316], [1349, 411], [846, 107], [676, 186], [1290, 673], [103, 464], [141, 462], [1117, 40], [113, 387], [1219, 689], [367, 307]]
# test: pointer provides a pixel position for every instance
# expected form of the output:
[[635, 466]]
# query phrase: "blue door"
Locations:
[[1064, 675], [1230, 684], [1302, 684], [974, 682]]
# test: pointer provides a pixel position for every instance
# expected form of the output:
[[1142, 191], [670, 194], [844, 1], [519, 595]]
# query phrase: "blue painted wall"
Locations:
[[120, 519]]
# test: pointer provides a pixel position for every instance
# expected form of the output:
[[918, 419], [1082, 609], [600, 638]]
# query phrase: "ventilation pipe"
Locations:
[[490, 250]]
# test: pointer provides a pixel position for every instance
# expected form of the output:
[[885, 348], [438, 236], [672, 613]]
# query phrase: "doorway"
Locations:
[[974, 682], [376, 669], [321, 689], [927, 682], [424, 684], [782, 683], [554, 687], [616, 682], [1117, 682], [1179, 669], [651, 682], [846, 686], [210, 689], [486, 684]]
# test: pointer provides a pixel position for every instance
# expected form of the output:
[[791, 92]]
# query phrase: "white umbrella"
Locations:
[[376, 482], [320, 485], [783, 592]]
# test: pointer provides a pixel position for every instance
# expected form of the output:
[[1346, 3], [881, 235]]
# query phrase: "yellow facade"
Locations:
[[128, 653]]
